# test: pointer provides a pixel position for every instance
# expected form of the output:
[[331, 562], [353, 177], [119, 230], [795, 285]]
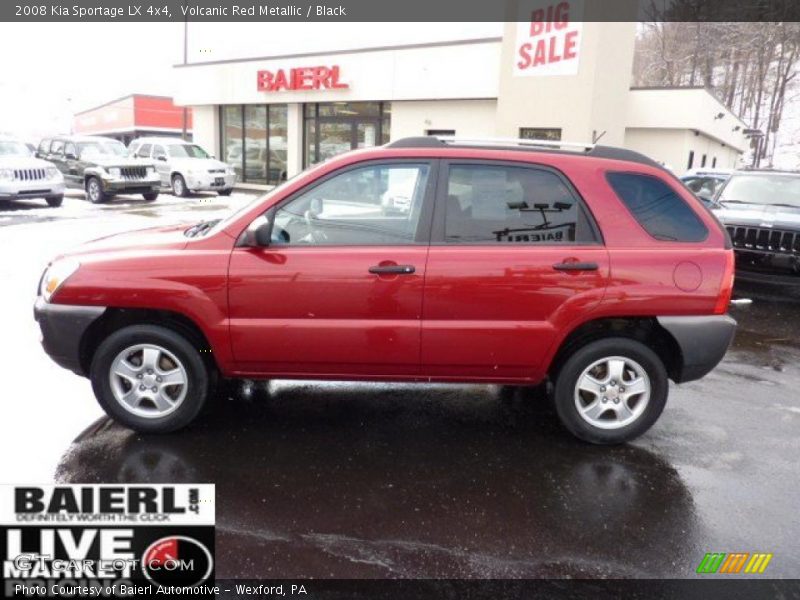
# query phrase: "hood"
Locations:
[[119, 161], [198, 164], [139, 241], [24, 162], [759, 215]]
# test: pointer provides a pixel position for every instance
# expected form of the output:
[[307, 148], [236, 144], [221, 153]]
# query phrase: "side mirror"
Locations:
[[259, 236], [71, 156], [162, 158]]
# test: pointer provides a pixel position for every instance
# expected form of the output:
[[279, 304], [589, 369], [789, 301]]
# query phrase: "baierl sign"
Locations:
[[549, 41]]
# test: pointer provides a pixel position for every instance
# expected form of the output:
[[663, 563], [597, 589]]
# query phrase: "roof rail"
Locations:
[[593, 150], [442, 140], [452, 139]]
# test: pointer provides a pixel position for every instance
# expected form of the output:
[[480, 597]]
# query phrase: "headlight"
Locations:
[[6, 174], [114, 172], [230, 171], [57, 274], [151, 170], [52, 173]]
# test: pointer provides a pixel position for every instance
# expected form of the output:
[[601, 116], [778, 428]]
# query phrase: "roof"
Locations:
[[160, 139], [81, 138]]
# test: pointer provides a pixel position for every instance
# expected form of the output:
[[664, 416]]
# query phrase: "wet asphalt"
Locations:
[[435, 481]]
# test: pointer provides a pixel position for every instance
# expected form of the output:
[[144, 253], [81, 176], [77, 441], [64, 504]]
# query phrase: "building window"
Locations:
[[335, 127], [714, 163], [550, 134], [691, 159], [254, 139], [436, 132], [703, 162]]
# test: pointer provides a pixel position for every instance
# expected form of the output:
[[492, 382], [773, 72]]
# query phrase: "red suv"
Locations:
[[428, 259]]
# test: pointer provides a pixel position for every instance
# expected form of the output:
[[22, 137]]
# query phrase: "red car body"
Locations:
[[479, 313]]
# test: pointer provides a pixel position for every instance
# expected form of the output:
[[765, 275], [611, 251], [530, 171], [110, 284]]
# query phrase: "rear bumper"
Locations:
[[209, 182], [703, 342], [62, 328]]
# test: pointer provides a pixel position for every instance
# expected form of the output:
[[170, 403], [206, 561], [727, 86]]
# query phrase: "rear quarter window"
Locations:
[[658, 208]]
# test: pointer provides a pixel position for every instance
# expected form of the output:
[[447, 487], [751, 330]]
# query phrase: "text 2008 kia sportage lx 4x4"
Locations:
[[428, 259]]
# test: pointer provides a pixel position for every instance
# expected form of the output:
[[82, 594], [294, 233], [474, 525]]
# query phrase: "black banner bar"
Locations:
[[386, 10]]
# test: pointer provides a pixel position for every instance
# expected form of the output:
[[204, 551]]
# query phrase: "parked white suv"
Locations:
[[185, 167], [24, 176]]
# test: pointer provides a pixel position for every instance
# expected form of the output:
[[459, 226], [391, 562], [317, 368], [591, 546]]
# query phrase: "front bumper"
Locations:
[[202, 182], [703, 342], [63, 327], [132, 186], [44, 188]]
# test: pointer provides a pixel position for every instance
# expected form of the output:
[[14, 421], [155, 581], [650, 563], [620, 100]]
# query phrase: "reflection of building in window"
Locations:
[[552, 134], [509, 204]]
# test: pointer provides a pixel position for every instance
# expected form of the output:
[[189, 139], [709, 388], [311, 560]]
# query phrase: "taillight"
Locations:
[[726, 289]]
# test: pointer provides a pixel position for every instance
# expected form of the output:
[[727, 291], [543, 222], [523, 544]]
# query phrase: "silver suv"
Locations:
[[24, 176], [185, 167]]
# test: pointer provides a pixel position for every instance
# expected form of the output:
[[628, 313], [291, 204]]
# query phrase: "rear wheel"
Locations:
[[54, 201], [94, 191], [611, 391], [149, 378], [225, 192]]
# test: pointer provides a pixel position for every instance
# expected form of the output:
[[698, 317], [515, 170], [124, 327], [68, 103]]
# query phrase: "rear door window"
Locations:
[[658, 208], [500, 204]]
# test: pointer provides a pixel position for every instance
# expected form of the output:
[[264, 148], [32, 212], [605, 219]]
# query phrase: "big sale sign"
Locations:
[[549, 41]]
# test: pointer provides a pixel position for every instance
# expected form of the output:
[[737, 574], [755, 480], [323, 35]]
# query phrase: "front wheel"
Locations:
[[150, 197], [54, 201], [149, 378], [179, 186], [611, 391], [94, 191]]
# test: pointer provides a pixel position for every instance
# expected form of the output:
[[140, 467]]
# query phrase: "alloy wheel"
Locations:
[[612, 392], [148, 380]]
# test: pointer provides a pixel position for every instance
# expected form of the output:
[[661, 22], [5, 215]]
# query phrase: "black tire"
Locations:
[[198, 379], [150, 197], [179, 186], [581, 359], [96, 195], [225, 192], [54, 201]]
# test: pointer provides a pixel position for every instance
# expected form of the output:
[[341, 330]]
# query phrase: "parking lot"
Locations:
[[375, 480]]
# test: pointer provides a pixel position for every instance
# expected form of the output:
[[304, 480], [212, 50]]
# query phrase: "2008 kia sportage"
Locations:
[[429, 259]]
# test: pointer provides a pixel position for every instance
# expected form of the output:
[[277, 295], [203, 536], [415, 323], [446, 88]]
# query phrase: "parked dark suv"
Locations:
[[509, 262], [101, 167], [761, 211]]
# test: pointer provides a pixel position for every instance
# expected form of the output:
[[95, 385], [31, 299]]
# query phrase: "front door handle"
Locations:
[[576, 266], [392, 269]]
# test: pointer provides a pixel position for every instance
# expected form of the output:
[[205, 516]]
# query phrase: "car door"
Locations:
[[73, 173], [161, 161], [515, 257], [339, 289], [56, 156]]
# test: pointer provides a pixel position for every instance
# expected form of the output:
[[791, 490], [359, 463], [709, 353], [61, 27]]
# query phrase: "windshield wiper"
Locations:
[[201, 228]]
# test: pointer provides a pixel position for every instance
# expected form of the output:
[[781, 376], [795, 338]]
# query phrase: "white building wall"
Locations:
[[205, 128], [469, 118]]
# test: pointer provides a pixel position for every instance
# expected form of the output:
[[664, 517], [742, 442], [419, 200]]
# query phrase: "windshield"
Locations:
[[10, 148], [763, 189], [186, 151], [104, 148]]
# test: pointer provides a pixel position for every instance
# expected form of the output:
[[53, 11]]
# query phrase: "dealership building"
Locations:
[[270, 112]]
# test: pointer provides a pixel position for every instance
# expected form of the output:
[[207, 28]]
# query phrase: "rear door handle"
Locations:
[[576, 266], [392, 269]]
